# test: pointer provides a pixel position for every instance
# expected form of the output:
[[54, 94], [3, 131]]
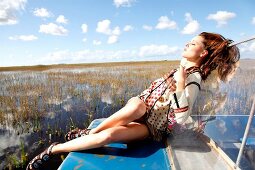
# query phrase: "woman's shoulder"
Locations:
[[196, 76]]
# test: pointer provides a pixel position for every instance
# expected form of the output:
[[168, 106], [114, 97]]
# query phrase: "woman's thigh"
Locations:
[[130, 132], [134, 109]]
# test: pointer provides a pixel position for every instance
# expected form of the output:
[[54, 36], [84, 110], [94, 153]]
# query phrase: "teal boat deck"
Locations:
[[146, 155], [186, 151]]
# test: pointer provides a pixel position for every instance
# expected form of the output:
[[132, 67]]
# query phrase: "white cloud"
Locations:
[[81, 56], [41, 12], [106, 55], [247, 50], [102, 55], [84, 28], [61, 19], [66, 56], [122, 3], [253, 20], [192, 26], [104, 27], [165, 23], [8, 9], [147, 27], [24, 38], [53, 29], [243, 48], [97, 42], [56, 57], [112, 39], [144, 52], [116, 31], [128, 28], [221, 17], [248, 47], [157, 50]]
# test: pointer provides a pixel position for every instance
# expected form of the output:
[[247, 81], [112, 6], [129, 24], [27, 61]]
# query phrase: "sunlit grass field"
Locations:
[[39, 104]]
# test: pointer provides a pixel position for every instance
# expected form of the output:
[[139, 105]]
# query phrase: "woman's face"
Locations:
[[194, 49]]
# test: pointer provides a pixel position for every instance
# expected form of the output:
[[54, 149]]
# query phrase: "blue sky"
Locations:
[[36, 32]]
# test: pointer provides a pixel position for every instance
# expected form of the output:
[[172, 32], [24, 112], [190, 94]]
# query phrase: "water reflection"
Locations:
[[227, 131], [38, 107], [106, 98]]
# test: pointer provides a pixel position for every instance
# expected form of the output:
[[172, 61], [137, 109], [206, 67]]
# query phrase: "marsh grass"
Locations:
[[39, 104]]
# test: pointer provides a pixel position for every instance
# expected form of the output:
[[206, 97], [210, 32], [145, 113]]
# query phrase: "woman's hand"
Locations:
[[170, 82], [183, 62], [182, 74], [181, 77]]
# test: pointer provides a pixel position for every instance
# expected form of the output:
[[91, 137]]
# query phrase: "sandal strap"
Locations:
[[41, 158], [75, 133], [50, 148], [84, 132]]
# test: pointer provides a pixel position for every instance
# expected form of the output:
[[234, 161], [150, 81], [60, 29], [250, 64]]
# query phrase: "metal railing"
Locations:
[[246, 133]]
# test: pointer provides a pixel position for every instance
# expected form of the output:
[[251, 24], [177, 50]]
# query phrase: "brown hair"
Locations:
[[220, 55]]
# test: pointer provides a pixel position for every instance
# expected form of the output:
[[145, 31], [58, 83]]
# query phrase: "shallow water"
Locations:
[[37, 108], [227, 132]]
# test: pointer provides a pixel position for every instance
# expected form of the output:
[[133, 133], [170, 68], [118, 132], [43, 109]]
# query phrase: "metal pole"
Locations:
[[246, 133], [242, 41]]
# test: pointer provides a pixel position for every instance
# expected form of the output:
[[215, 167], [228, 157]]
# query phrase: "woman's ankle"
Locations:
[[55, 149], [92, 131]]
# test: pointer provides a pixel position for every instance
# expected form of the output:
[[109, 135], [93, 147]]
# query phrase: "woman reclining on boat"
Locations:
[[162, 108]]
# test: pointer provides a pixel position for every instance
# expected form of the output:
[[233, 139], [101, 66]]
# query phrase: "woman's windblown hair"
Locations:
[[220, 56]]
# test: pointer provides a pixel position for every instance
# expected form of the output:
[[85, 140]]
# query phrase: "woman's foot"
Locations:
[[41, 159], [75, 133]]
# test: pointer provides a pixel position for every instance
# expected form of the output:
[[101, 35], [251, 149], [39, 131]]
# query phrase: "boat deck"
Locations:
[[146, 155], [192, 151], [186, 151]]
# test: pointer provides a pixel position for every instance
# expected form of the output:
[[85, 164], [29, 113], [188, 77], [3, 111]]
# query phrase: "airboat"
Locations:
[[187, 151]]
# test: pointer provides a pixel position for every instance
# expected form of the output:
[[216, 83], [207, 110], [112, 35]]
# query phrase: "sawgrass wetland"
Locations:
[[39, 104]]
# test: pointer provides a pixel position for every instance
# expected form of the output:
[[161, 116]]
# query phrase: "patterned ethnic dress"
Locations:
[[165, 108]]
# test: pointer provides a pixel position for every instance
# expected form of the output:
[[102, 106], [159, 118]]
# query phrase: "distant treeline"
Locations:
[[83, 65]]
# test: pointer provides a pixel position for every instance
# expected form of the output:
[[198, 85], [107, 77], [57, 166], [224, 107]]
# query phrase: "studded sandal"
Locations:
[[75, 133], [41, 159]]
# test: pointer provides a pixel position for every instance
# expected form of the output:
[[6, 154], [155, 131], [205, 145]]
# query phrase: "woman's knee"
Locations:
[[137, 105]]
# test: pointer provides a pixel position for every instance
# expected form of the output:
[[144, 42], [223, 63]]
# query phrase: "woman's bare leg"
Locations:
[[134, 109], [130, 132]]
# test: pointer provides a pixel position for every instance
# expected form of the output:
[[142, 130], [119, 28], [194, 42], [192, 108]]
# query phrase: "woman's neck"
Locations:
[[189, 64]]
